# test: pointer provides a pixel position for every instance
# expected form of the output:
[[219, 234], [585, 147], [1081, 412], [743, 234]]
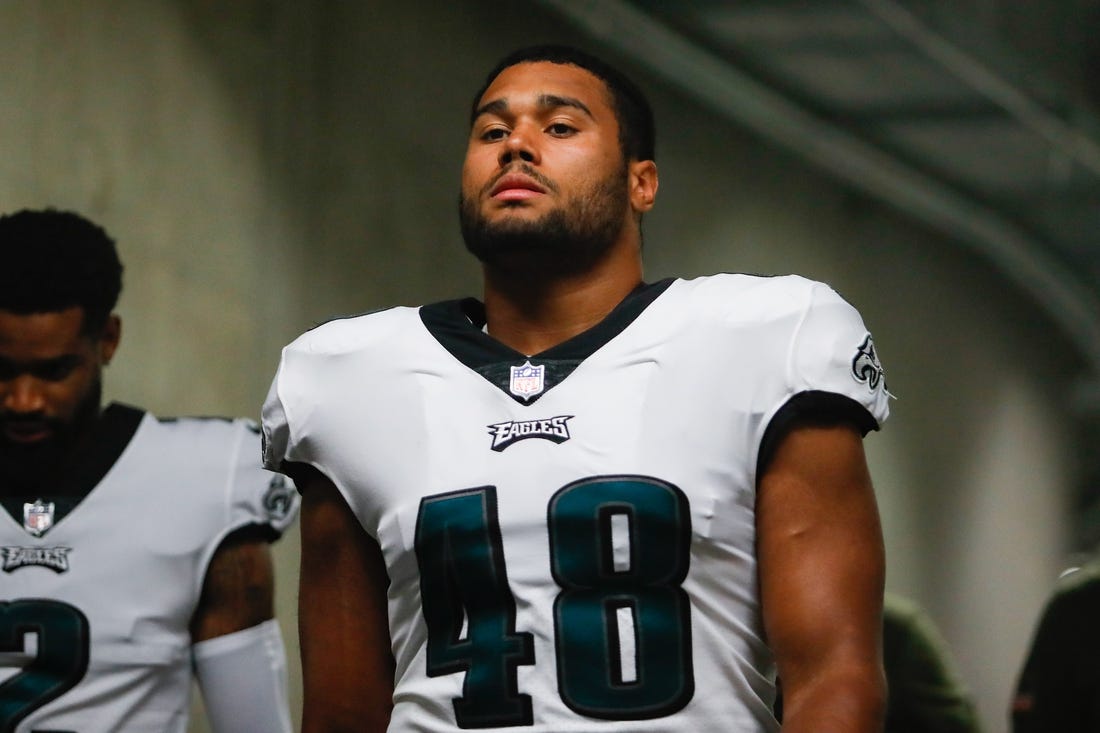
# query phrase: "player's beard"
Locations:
[[31, 466], [566, 240]]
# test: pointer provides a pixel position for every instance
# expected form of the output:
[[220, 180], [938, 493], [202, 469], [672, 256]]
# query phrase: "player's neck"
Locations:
[[45, 474], [534, 312]]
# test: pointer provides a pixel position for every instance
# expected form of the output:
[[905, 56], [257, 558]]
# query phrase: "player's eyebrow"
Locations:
[[552, 101], [495, 107], [544, 102], [10, 368]]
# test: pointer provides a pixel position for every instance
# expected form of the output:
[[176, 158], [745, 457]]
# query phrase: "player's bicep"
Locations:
[[821, 560], [347, 664], [238, 589]]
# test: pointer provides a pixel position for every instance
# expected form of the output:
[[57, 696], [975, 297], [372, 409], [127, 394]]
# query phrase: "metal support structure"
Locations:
[[1072, 143]]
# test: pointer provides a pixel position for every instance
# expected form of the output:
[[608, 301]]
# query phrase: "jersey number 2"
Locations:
[[60, 662], [619, 551]]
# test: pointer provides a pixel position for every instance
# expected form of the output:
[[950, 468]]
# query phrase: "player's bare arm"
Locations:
[[821, 575], [347, 665], [237, 648], [238, 591]]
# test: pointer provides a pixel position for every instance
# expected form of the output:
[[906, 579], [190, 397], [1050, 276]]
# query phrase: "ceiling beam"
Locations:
[[1061, 136]]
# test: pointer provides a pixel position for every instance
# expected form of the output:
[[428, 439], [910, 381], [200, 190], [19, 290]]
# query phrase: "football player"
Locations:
[[135, 550], [584, 502]]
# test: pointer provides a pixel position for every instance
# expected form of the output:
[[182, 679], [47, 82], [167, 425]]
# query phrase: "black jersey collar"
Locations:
[[68, 486], [457, 325]]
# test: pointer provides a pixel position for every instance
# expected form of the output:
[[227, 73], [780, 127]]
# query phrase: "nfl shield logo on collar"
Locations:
[[527, 380], [38, 517]]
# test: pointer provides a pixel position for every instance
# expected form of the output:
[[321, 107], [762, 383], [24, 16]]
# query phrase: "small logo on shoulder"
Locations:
[[527, 380], [279, 497], [54, 558], [866, 367], [554, 429]]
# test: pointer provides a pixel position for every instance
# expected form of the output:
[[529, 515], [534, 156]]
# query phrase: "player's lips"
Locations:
[[26, 432], [516, 187]]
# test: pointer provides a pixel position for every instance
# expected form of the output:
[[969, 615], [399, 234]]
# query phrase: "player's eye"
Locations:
[[56, 371], [494, 134], [560, 129]]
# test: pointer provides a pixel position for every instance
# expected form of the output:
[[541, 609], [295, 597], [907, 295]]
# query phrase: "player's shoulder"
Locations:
[[347, 334], [212, 427], [118, 415], [200, 439], [774, 296]]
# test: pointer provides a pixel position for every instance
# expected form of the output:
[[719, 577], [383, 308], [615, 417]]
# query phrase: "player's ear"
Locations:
[[643, 185], [109, 338]]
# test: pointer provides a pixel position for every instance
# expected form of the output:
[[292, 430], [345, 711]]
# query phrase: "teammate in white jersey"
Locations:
[[134, 550], [586, 503]]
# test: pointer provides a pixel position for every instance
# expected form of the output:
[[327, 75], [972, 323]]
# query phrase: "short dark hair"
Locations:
[[637, 131], [53, 260]]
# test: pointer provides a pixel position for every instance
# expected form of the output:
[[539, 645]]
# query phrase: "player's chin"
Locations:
[[501, 212], [24, 460]]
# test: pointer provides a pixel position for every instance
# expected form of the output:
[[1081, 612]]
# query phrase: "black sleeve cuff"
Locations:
[[814, 407]]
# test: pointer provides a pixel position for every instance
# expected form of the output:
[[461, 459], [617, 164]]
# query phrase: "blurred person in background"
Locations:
[[135, 549], [924, 691], [1059, 686]]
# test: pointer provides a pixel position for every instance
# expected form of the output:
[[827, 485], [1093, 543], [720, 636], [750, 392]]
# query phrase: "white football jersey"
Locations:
[[570, 535], [101, 576]]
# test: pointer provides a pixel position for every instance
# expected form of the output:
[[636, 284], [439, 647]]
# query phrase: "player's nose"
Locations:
[[520, 145], [22, 395]]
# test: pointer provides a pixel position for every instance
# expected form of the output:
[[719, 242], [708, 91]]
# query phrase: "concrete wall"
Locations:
[[265, 165]]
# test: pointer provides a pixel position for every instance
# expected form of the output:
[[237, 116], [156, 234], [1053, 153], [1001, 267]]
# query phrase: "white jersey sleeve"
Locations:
[[297, 419], [832, 351], [275, 438], [247, 495], [256, 495]]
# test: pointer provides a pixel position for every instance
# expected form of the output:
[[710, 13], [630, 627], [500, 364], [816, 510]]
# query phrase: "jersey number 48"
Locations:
[[619, 552]]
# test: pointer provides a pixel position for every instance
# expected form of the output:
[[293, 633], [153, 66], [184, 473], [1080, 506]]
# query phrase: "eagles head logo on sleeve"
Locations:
[[279, 497], [866, 367]]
